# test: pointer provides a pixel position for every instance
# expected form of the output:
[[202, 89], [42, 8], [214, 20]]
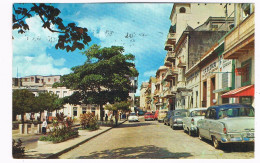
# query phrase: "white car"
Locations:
[[133, 117], [190, 122]]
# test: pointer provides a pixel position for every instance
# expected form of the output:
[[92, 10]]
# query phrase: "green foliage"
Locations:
[[71, 36], [17, 149], [23, 102], [89, 121], [48, 101], [61, 131], [103, 78], [123, 106]]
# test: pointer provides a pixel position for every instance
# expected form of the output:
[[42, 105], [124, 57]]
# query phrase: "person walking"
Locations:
[[44, 126]]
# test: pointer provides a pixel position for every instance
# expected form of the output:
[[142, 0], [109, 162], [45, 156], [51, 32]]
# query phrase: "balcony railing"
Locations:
[[240, 33], [170, 56]]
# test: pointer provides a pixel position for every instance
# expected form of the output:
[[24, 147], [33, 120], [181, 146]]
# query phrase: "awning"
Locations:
[[248, 90]]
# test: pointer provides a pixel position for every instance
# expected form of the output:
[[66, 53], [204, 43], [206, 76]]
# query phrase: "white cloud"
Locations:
[[38, 65], [149, 73], [29, 51]]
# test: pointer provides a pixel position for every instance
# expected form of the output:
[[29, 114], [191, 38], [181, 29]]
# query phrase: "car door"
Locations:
[[186, 121], [202, 124], [210, 122]]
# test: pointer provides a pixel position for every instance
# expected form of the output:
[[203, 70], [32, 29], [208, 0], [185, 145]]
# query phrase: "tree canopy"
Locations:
[[23, 102], [71, 37], [123, 106], [104, 77]]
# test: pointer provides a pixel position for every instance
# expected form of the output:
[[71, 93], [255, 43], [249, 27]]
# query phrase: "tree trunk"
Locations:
[[22, 116], [40, 115], [101, 112]]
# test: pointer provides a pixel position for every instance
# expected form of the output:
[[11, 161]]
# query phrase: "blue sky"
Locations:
[[141, 28]]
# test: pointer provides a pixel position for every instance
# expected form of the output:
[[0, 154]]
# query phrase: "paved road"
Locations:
[[152, 140]]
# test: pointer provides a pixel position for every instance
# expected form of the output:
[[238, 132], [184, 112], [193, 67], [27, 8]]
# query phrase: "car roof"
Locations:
[[192, 109], [180, 110], [228, 106]]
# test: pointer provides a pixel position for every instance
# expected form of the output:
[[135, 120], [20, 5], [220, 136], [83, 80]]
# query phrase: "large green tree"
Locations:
[[71, 37], [103, 78], [46, 101], [23, 102]]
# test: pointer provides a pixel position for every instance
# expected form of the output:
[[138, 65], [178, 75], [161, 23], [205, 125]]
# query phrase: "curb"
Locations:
[[55, 155]]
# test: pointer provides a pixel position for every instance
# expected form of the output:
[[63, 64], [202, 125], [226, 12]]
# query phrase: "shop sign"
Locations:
[[193, 75], [186, 93], [210, 68]]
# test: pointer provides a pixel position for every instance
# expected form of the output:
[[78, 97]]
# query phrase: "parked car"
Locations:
[[228, 123], [156, 114], [162, 114], [133, 117], [141, 112], [177, 117], [166, 119], [190, 122], [148, 116]]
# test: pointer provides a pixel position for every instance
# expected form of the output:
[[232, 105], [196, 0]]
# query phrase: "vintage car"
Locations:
[[162, 114], [166, 119], [133, 117], [190, 122], [177, 117], [228, 123], [148, 116]]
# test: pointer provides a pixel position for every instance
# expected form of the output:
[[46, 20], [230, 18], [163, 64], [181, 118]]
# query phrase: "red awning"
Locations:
[[248, 90]]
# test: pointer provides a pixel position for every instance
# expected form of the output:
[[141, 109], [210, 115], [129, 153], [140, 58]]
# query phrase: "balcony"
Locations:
[[241, 39], [156, 93], [158, 81], [171, 38], [167, 63], [170, 56], [168, 47], [181, 62]]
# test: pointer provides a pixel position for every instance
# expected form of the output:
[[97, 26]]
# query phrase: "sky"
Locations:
[[141, 28]]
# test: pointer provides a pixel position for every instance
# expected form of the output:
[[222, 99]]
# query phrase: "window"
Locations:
[[212, 114], [236, 112], [182, 10], [32, 79], [55, 79], [75, 111], [57, 92], [49, 79], [246, 75], [84, 110]]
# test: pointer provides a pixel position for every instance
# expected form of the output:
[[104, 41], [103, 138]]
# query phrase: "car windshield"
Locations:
[[180, 113], [236, 112], [132, 114], [163, 111], [198, 113]]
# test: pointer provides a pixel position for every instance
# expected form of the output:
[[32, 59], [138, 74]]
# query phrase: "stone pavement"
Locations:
[[49, 150]]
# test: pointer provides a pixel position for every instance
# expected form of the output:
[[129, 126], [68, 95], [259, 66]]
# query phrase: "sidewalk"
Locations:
[[49, 150]]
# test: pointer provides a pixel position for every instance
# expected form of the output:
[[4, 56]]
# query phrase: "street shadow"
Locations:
[[141, 152], [33, 155], [234, 147], [134, 124]]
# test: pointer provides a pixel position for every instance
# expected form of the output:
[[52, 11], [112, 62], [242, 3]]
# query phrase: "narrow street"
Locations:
[[150, 139]]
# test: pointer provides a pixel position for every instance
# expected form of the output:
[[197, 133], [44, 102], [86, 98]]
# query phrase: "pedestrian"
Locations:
[[106, 117], [44, 126]]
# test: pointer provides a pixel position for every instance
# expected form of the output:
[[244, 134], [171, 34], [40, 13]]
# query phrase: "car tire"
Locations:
[[189, 132], [216, 143]]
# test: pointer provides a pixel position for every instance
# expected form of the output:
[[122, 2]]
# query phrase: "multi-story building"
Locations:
[[143, 94], [160, 87], [38, 83], [239, 45], [193, 31]]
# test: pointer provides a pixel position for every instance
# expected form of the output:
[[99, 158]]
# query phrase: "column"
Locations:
[[21, 128], [32, 128], [25, 128]]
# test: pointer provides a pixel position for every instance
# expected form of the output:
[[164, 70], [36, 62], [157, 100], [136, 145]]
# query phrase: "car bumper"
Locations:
[[148, 118], [234, 138], [132, 120], [177, 124]]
